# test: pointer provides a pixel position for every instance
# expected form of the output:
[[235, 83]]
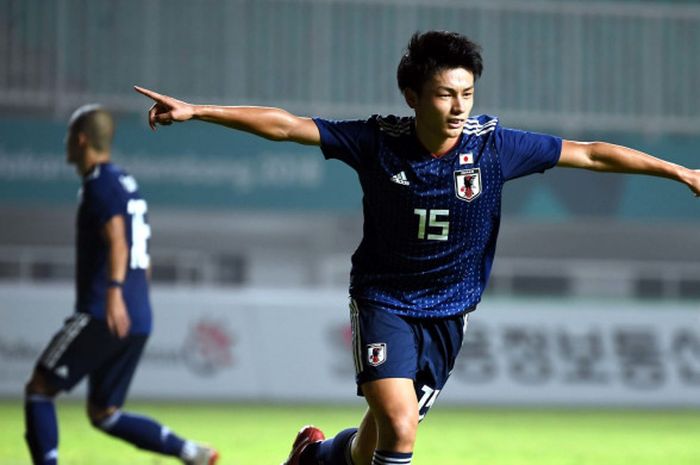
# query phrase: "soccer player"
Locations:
[[105, 337], [432, 195]]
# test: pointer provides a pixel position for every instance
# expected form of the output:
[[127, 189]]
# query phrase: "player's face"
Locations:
[[444, 104], [73, 150]]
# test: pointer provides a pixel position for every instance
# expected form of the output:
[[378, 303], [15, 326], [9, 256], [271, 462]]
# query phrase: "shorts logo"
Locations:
[[468, 184], [376, 353]]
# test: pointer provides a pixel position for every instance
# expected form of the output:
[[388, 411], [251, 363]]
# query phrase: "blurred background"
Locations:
[[594, 294]]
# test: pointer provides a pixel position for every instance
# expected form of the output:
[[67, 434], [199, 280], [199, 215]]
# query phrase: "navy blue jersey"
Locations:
[[430, 224], [108, 191]]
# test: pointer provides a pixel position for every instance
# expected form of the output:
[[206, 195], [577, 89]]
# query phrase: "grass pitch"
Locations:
[[262, 435]]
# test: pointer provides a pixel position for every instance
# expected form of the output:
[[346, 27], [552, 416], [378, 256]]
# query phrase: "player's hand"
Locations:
[[118, 320], [165, 110], [694, 182]]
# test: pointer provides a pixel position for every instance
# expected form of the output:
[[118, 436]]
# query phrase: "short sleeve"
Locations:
[[350, 141], [103, 199], [522, 153]]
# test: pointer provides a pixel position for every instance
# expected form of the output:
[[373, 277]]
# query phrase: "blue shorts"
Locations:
[[386, 345], [85, 346]]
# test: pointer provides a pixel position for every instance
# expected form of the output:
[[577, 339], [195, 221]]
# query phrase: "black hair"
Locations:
[[433, 51]]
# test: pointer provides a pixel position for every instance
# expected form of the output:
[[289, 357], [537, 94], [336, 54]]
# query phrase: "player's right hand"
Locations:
[[165, 110], [118, 320]]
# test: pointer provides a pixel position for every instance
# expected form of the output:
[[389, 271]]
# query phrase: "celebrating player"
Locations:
[[432, 196], [105, 337]]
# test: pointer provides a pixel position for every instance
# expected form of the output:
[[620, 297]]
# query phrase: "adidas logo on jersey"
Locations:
[[400, 178], [61, 371]]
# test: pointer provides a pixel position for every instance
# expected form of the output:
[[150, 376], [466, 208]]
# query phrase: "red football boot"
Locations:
[[307, 435]]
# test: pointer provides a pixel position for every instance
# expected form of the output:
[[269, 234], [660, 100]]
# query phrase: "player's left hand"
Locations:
[[117, 317], [693, 182], [696, 185]]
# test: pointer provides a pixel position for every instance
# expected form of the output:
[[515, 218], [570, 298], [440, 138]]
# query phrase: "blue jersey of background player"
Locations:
[[431, 201], [109, 193], [104, 339], [430, 220]]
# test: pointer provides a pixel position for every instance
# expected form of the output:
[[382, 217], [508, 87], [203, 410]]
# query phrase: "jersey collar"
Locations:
[[447, 154]]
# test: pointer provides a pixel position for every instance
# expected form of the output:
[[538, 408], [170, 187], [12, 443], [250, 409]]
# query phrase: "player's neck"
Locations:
[[437, 146], [435, 143], [92, 159]]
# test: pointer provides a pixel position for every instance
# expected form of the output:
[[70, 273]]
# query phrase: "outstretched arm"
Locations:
[[602, 156], [271, 123]]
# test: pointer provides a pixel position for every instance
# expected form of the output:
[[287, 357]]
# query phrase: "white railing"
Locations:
[[585, 278], [551, 64], [26, 264], [511, 276]]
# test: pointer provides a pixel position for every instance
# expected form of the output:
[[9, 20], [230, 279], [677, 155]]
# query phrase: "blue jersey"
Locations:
[[108, 191], [430, 224]]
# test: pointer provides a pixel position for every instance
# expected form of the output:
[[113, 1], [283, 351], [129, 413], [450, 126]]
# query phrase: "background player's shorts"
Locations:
[[85, 346], [386, 345]]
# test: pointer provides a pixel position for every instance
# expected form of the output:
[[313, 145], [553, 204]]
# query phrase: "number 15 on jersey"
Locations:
[[433, 225]]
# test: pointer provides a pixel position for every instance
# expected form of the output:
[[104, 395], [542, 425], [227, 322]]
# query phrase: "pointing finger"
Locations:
[[150, 94]]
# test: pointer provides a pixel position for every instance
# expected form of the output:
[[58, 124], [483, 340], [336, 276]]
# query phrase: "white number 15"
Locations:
[[436, 220]]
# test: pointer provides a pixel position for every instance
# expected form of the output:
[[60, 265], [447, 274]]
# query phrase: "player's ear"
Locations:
[[411, 97], [82, 140]]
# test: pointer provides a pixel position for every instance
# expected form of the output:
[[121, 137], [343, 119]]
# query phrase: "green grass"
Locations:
[[261, 435]]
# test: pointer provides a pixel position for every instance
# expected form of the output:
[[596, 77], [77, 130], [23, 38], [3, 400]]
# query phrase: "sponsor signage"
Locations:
[[295, 345]]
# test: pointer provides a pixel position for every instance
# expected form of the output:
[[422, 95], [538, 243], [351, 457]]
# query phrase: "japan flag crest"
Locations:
[[466, 158], [376, 353], [468, 184]]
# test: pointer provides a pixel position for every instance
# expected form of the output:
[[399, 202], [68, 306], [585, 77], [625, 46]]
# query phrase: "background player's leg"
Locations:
[[107, 392], [60, 366], [147, 434], [41, 425]]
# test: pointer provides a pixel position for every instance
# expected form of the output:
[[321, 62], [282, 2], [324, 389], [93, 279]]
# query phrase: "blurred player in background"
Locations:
[[105, 337], [432, 196]]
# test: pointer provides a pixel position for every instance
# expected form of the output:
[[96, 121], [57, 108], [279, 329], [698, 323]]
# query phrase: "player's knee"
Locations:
[[39, 386], [399, 428], [405, 428], [102, 417]]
